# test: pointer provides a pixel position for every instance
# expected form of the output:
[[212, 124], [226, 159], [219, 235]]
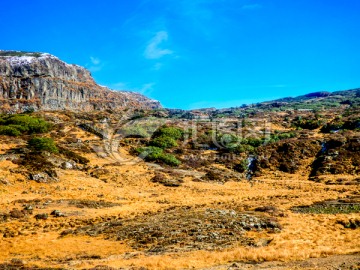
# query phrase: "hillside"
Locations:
[[173, 189], [40, 81]]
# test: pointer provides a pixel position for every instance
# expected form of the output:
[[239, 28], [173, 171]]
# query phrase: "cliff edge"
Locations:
[[41, 81]]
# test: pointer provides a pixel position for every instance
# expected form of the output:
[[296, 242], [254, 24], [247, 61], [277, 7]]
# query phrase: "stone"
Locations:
[[41, 216], [41, 81], [39, 177], [67, 165], [57, 213]]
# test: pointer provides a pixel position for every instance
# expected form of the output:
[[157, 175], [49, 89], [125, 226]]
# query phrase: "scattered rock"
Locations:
[[67, 165], [16, 213], [39, 177], [98, 173], [162, 178], [57, 213], [41, 216], [44, 177], [92, 204], [184, 229], [4, 181]]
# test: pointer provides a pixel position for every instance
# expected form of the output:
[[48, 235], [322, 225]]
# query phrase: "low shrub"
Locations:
[[42, 144], [163, 142], [16, 125], [170, 160], [9, 131], [307, 123], [172, 132], [244, 148], [157, 154]]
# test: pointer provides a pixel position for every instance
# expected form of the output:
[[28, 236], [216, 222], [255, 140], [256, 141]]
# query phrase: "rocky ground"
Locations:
[[96, 205]]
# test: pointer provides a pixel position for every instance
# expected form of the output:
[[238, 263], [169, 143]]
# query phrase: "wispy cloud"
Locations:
[[252, 6], [94, 60], [96, 64], [153, 49], [145, 89]]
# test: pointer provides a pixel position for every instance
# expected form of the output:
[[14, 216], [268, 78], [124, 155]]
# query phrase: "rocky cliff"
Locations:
[[42, 81]]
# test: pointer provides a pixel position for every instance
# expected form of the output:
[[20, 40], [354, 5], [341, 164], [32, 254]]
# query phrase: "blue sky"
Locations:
[[197, 53]]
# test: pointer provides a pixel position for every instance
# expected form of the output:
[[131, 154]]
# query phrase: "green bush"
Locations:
[[281, 136], [229, 141], [307, 123], [254, 142], [29, 124], [244, 148], [172, 132], [150, 153], [166, 137], [329, 127], [23, 124], [163, 142], [157, 154], [170, 160], [9, 131], [42, 144]]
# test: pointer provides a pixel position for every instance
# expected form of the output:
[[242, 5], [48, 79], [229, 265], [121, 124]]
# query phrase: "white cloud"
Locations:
[[95, 65], [94, 60], [153, 51], [252, 6], [146, 89]]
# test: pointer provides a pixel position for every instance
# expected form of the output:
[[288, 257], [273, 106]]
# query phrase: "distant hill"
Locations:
[[310, 102]]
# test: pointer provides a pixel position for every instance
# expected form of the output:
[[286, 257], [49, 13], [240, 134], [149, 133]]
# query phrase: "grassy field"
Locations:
[[115, 215]]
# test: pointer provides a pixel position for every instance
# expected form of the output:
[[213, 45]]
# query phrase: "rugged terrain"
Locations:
[[145, 189], [273, 185], [33, 81]]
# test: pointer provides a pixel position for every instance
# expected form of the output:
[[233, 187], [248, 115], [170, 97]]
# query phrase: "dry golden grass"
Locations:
[[303, 236]]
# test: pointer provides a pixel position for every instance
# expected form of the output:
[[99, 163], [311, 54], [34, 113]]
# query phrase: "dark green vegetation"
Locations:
[[340, 154], [164, 139], [38, 155], [22, 124], [42, 144], [330, 207], [313, 102], [352, 123], [276, 135], [312, 123], [152, 153]]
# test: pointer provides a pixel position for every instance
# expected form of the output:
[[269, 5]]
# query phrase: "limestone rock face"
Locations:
[[40, 81]]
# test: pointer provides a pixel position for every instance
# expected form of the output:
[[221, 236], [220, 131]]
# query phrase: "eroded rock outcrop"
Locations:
[[42, 81]]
